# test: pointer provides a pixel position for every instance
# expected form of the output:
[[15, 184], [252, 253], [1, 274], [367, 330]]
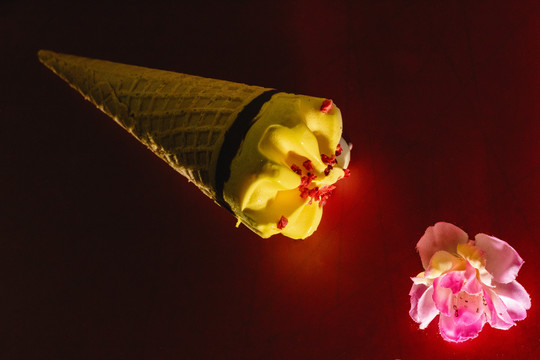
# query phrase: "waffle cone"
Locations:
[[181, 118]]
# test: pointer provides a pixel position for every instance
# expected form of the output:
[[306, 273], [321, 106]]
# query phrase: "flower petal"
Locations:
[[417, 290], [515, 310], [441, 236], [472, 253], [453, 280], [421, 279], [442, 297], [423, 309], [502, 261], [442, 262], [453, 330], [515, 291], [498, 312], [472, 285]]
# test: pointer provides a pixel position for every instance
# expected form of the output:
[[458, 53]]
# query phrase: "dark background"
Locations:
[[107, 253]]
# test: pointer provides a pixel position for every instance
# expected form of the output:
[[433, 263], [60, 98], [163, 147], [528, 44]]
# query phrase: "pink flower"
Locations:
[[467, 283]]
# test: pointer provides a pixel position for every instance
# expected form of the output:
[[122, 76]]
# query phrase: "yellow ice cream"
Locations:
[[268, 175]]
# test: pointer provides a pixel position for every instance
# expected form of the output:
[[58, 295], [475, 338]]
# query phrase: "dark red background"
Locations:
[[107, 253]]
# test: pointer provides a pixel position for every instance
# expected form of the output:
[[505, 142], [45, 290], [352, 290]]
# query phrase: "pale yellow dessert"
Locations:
[[290, 130], [271, 158]]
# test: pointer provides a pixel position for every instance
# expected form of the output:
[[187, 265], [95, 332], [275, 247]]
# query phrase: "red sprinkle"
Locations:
[[326, 106], [282, 223], [296, 169], [306, 180], [320, 195], [328, 159], [327, 170], [304, 192], [324, 194], [317, 194], [308, 165], [339, 150], [313, 194]]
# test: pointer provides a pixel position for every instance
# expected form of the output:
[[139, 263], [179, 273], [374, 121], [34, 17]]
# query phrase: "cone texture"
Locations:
[[182, 118]]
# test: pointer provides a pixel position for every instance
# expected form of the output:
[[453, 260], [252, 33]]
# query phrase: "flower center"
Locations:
[[464, 302]]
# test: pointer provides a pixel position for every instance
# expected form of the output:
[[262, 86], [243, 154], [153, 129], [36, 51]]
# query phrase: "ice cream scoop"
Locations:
[[286, 166]]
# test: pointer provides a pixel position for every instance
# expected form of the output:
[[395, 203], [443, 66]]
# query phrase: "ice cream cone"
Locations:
[[181, 118], [270, 158]]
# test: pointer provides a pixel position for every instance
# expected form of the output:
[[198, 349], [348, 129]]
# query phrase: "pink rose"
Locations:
[[467, 283]]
